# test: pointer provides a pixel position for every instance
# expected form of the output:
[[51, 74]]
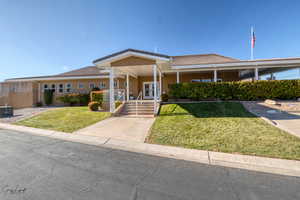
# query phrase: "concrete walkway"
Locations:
[[287, 121], [122, 128]]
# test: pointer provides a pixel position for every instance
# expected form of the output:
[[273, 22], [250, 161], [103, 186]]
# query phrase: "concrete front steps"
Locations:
[[142, 108]]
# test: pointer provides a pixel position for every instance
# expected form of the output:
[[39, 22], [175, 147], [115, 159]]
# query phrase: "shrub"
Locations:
[[117, 104], [39, 104], [73, 99], [97, 96], [84, 99], [94, 106], [48, 97], [258, 90], [96, 89], [164, 97]]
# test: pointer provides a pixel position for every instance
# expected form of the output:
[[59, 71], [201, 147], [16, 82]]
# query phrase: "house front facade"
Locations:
[[138, 75]]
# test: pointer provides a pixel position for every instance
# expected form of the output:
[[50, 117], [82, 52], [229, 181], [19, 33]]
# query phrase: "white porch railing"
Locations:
[[119, 95], [136, 102]]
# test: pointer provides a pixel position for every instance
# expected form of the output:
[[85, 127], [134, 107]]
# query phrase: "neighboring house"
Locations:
[[139, 70]]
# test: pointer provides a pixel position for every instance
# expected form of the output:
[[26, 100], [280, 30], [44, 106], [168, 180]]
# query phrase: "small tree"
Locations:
[[48, 97]]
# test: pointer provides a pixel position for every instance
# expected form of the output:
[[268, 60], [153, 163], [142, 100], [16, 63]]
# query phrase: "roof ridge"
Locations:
[[133, 50], [207, 54]]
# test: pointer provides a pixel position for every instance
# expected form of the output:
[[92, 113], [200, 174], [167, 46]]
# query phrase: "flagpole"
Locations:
[[251, 43]]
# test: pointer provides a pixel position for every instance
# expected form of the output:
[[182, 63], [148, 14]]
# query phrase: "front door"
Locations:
[[148, 90]]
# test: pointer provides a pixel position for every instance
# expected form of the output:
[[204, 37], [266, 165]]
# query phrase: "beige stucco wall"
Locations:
[[18, 95]]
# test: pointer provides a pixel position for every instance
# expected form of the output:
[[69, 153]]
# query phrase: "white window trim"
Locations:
[[117, 86], [79, 85], [44, 87], [101, 84], [66, 87], [91, 84], [55, 87], [58, 88]]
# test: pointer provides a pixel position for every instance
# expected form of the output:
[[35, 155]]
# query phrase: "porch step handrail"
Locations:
[[136, 102]]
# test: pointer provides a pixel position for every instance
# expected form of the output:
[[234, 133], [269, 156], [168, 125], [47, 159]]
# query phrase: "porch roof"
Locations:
[[246, 64], [130, 52]]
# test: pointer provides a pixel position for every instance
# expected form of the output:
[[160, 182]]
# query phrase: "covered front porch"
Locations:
[[138, 74]]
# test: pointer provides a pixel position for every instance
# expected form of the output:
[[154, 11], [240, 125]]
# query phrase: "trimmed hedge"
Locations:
[[75, 99], [257, 90]]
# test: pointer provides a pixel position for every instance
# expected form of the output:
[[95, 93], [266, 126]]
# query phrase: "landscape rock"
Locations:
[[270, 102]]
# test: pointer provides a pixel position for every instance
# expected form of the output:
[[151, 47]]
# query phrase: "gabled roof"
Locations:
[[85, 71], [201, 59], [133, 51], [89, 71]]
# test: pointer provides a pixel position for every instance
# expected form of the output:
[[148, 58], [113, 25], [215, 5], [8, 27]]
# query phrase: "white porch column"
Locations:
[[160, 85], [215, 75], [177, 77], [256, 74], [155, 85], [127, 86], [111, 91]]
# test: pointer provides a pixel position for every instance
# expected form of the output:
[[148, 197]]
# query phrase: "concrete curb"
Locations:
[[261, 164]]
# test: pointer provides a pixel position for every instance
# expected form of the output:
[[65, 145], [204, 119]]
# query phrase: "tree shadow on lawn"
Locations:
[[215, 110]]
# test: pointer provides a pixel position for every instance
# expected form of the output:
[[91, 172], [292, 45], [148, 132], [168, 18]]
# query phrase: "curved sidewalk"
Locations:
[[289, 122]]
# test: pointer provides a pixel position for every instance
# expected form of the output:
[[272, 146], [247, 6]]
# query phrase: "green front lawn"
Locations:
[[224, 127], [67, 119]]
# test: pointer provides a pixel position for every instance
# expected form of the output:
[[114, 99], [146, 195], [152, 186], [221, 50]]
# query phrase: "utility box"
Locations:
[[6, 111]]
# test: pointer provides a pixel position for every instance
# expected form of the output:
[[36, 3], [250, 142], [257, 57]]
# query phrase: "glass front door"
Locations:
[[148, 90]]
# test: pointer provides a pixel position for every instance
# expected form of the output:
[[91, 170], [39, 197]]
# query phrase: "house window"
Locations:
[[68, 87], [102, 85], [92, 85], [200, 80], [14, 87], [53, 87], [116, 84], [61, 88], [80, 85], [45, 87]]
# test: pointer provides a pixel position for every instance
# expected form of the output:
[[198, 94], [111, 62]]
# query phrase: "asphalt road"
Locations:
[[40, 168]]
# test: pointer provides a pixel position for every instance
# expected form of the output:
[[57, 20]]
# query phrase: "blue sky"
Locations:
[[52, 36]]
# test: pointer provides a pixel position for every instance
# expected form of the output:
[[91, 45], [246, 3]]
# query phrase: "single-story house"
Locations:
[[139, 75]]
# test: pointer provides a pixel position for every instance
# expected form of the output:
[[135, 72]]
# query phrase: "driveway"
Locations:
[[35, 168], [122, 128], [286, 120], [23, 113]]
